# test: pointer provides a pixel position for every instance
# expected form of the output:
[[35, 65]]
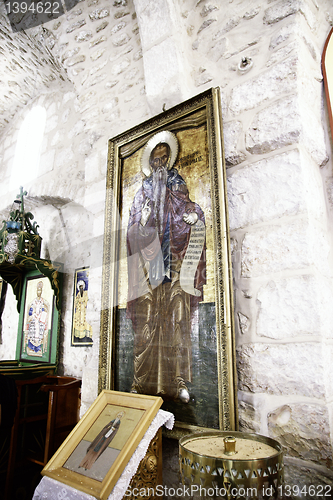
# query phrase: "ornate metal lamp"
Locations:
[[20, 246], [19, 236]]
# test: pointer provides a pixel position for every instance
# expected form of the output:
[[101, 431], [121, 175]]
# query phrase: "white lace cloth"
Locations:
[[50, 489]]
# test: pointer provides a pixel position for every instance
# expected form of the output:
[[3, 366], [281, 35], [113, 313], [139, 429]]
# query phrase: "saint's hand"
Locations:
[[145, 212], [190, 218]]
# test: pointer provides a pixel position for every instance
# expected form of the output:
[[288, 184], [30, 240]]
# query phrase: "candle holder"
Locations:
[[232, 465]]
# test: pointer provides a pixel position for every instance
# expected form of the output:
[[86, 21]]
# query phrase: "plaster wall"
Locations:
[[114, 64]]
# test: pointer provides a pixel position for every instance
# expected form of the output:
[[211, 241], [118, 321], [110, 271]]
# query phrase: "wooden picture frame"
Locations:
[[38, 329], [82, 463], [81, 328], [194, 372]]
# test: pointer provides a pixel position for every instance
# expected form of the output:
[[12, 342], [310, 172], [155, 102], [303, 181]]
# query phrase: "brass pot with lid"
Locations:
[[232, 464]]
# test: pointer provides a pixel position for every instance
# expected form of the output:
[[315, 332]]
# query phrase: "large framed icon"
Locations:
[[167, 316], [37, 339]]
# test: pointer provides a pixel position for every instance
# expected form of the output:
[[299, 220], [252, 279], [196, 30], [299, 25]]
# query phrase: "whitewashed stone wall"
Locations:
[[120, 62]]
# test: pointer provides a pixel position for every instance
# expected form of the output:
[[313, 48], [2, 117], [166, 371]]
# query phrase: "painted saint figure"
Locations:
[[82, 329], [37, 323], [101, 441], [161, 235]]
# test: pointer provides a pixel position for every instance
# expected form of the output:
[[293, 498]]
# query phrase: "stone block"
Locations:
[[89, 383], [121, 13], [121, 66], [98, 14], [244, 323], [207, 9], [292, 369], [92, 170], [124, 88], [133, 74], [230, 25], [75, 60], [101, 26], [329, 191], [97, 54], [264, 190], [121, 39], [9, 152], [110, 105], [220, 49], [98, 67], [57, 138], [74, 14], [279, 80], [206, 24], [286, 122], [75, 71], [137, 55], [284, 8], [76, 25], [94, 199], [231, 134], [249, 417], [162, 75], [281, 53], [273, 249], [99, 40], [70, 53], [156, 14], [201, 78], [117, 27], [283, 34], [113, 117], [290, 308], [110, 85], [68, 96], [250, 14], [51, 123], [46, 162], [83, 36], [311, 479], [303, 430], [63, 157], [295, 31]]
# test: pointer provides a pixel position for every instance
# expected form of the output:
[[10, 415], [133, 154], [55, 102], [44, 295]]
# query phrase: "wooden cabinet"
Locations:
[[47, 410]]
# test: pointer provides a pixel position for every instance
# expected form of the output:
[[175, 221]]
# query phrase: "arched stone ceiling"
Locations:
[[26, 66], [62, 50]]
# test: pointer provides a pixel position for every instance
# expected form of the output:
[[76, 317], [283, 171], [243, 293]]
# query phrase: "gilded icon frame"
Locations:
[[198, 119], [136, 410]]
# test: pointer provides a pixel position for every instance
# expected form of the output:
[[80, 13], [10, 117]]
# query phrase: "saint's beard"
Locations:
[[159, 191]]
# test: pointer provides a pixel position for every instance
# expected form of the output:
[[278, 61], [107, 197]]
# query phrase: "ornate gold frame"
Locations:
[[108, 402], [204, 109]]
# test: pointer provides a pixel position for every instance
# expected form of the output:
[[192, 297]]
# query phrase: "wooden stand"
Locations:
[[47, 410]]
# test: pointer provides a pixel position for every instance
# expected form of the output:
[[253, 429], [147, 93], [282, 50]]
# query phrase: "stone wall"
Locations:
[[106, 67]]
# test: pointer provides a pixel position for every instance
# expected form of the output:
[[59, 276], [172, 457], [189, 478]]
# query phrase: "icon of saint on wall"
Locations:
[[37, 326], [166, 272], [82, 330]]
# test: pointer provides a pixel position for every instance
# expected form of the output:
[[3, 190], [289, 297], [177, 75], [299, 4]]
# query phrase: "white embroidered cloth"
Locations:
[[50, 489]]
